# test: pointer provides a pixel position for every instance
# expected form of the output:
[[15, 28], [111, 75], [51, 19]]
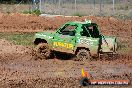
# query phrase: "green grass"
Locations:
[[36, 12], [78, 14], [18, 38]]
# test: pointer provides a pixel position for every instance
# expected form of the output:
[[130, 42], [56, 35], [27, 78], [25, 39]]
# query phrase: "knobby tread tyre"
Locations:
[[43, 51]]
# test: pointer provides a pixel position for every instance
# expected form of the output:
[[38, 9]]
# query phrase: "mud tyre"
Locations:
[[83, 55], [43, 51]]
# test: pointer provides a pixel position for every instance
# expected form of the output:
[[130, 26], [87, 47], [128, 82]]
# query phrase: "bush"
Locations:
[[124, 16], [36, 12], [78, 14], [27, 12]]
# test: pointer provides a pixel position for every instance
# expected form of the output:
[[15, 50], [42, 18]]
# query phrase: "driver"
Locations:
[[91, 31]]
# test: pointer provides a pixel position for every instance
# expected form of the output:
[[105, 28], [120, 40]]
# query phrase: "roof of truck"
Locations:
[[78, 23]]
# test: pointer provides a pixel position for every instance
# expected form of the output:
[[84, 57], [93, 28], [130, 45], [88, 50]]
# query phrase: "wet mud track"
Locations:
[[19, 69]]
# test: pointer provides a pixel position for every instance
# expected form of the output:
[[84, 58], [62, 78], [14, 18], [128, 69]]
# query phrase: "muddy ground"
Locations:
[[18, 69]]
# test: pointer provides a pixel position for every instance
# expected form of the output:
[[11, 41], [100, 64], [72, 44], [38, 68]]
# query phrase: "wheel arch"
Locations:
[[39, 40]]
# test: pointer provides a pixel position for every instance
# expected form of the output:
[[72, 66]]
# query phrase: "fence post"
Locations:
[[40, 3], [75, 6], [59, 7], [100, 7], [113, 6], [94, 7]]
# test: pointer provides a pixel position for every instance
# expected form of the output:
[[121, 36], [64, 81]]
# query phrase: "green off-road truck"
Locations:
[[82, 39]]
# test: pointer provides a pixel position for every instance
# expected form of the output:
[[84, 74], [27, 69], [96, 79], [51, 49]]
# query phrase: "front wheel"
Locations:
[[43, 51], [83, 55]]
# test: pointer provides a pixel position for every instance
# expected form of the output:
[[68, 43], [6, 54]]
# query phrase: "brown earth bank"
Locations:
[[18, 69], [32, 23]]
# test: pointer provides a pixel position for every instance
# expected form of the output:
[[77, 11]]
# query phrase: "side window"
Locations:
[[69, 30], [96, 32], [93, 31], [85, 32]]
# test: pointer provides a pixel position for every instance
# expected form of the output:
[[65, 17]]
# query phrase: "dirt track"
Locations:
[[18, 69]]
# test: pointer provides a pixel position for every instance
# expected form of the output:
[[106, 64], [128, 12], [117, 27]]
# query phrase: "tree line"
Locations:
[[14, 1]]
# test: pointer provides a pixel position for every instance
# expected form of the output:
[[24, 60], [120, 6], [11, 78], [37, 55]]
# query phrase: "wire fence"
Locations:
[[73, 7], [16, 7], [86, 7]]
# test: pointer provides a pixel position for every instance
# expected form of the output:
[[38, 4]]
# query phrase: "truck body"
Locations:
[[73, 36]]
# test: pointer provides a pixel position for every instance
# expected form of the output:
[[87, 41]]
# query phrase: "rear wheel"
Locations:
[[83, 55], [43, 51]]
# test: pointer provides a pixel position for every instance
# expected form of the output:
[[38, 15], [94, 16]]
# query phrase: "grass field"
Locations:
[[18, 38]]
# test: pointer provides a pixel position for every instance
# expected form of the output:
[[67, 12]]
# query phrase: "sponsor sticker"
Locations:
[[86, 41], [44, 36], [65, 45]]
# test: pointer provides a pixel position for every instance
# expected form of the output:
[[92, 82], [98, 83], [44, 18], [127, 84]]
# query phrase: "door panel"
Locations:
[[64, 43], [91, 43], [65, 40]]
